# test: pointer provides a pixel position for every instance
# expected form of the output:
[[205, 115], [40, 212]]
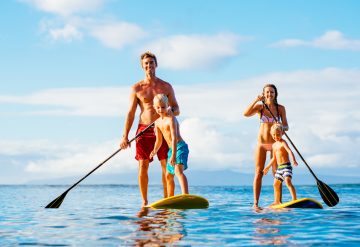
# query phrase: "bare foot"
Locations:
[[144, 204], [143, 212], [257, 208]]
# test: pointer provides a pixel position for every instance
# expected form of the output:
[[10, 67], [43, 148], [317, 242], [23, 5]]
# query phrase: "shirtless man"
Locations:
[[142, 94]]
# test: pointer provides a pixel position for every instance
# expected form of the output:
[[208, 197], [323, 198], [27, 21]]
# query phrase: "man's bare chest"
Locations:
[[147, 95]]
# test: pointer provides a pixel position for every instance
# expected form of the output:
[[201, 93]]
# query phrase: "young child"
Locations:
[[167, 128], [280, 162]]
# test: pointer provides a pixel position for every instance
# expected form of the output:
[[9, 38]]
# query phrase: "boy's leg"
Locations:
[[277, 191], [170, 184], [290, 187], [143, 180], [163, 176], [182, 178]]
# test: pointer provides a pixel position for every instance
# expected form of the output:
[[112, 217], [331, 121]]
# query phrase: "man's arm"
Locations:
[[129, 120], [172, 102]]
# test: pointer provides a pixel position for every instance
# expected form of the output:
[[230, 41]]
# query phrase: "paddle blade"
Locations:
[[327, 194], [57, 202]]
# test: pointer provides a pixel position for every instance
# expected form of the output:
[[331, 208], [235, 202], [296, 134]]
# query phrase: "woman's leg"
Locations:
[[260, 158]]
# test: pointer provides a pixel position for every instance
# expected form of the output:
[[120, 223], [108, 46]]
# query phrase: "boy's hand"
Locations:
[[172, 161], [152, 154], [169, 111], [295, 163]]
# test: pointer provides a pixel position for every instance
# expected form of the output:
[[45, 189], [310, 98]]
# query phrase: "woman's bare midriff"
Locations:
[[264, 134]]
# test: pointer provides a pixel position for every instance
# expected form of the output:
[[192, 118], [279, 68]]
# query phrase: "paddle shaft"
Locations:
[[139, 134], [292, 144], [112, 155]]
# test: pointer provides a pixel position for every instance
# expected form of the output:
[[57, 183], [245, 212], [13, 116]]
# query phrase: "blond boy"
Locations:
[[167, 128], [281, 164]]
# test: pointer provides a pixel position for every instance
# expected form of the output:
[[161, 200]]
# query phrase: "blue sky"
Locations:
[[66, 69]]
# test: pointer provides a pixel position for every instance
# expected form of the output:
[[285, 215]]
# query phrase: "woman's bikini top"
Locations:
[[266, 119]]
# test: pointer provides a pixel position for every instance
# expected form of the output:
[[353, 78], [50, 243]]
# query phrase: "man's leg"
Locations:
[[163, 176], [143, 180]]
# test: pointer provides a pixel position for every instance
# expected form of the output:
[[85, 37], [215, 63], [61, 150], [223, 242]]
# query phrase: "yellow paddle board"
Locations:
[[186, 201], [299, 203]]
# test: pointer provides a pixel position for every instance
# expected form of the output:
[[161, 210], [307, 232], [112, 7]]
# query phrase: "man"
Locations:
[[142, 94]]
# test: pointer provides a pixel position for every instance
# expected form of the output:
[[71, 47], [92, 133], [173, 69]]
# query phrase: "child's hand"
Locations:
[[172, 161], [152, 154], [169, 111], [266, 170], [295, 163]]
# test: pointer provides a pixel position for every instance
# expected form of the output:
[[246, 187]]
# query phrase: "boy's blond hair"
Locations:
[[276, 127], [161, 98]]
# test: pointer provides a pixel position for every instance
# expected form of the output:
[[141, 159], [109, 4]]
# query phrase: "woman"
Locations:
[[265, 140]]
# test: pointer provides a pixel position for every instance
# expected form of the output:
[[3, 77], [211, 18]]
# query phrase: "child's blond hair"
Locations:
[[276, 127], [161, 98]]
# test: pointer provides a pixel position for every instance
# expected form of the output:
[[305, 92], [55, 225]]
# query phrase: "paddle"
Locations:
[[327, 194], [57, 202]]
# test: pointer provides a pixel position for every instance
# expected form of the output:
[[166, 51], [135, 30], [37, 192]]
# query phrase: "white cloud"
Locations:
[[67, 33], [195, 51], [65, 7], [75, 101], [331, 40], [117, 34], [82, 160], [110, 33], [210, 148], [325, 160], [321, 110], [67, 25]]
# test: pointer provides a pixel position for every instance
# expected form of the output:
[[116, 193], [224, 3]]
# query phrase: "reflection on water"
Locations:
[[268, 232], [158, 227]]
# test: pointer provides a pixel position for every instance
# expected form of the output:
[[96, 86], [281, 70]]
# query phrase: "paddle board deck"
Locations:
[[186, 201], [299, 203]]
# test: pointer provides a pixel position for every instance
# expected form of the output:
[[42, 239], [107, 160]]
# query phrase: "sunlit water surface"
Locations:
[[105, 215]]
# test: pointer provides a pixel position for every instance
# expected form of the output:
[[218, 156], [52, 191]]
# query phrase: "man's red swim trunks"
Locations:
[[145, 144]]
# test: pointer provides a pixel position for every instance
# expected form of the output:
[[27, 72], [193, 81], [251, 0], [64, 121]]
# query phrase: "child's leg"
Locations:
[[290, 187], [277, 191], [182, 178], [170, 184]]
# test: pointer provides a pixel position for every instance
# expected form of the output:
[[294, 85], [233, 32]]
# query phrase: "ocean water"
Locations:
[[110, 215]]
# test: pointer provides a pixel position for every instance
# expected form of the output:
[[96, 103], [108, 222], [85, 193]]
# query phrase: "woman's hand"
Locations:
[[260, 98]]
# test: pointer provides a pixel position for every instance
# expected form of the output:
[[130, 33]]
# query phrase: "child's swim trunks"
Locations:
[[182, 153]]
